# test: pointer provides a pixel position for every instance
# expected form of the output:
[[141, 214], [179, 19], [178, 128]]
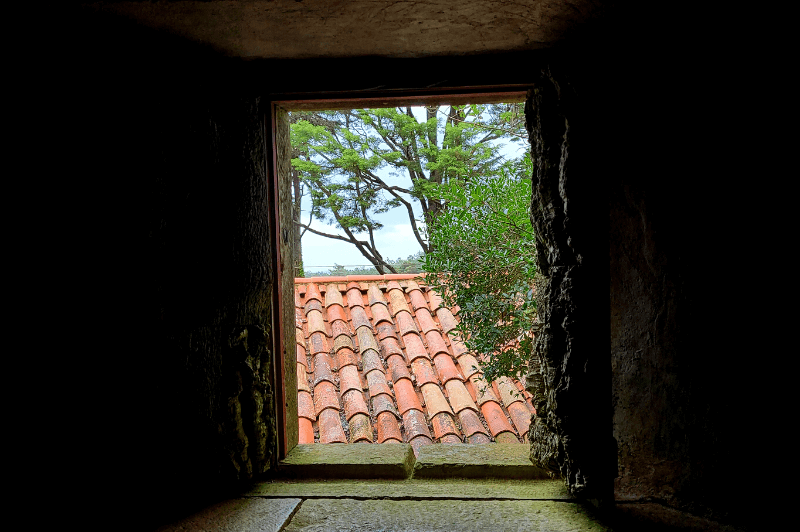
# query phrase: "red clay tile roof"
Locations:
[[376, 363]]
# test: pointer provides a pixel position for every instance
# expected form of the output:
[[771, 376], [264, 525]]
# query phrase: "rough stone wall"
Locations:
[[170, 158], [569, 367], [682, 402], [211, 264]]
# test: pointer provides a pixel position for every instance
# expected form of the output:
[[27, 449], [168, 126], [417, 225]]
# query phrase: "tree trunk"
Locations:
[[297, 258]]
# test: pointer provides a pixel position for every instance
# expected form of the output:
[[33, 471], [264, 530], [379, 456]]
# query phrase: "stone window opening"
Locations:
[[288, 415]]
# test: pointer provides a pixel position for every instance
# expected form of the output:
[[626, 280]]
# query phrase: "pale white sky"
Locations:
[[395, 240]]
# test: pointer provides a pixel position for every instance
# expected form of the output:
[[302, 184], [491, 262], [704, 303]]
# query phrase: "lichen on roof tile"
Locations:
[[380, 313], [333, 296], [398, 301], [426, 323], [366, 340], [459, 396], [354, 403], [406, 323], [444, 425], [445, 368], [436, 343], [435, 401], [414, 347]]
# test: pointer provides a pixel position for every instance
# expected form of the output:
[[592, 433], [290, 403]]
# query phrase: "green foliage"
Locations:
[[338, 156], [483, 260]]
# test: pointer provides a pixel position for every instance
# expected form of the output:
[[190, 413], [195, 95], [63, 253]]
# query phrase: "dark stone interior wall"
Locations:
[[656, 153], [635, 182], [170, 158]]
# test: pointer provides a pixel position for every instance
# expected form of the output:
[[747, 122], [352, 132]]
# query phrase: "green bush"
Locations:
[[482, 259]]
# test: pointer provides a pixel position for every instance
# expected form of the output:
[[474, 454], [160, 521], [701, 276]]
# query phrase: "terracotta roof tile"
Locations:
[[336, 314], [371, 360], [426, 323], [312, 292], [333, 296], [458, 347], [346, 357], [406, 396], [418, 301], [380, 313], [313, 304], [375, 295], [423, 372], [330, 427], [459, 396], [393, 285], [414, 347], [469, 365], [325, 397], [383, 403], [435, 401], [495, 418], [436, 300], [297, 302], [520, 416], [354, 403], [349, 379], [305, 406], [301, 356], [323, 369], [445, 368], [306, 431], [388, 428], [342, 341], [415, 424], [471, 423], [397, 368], [420, 441], [479, 438], [407, 399], [443, 425], [391, 347], [386, 330], [377, 383], [360, 428], [406, 323], [302, 379], [360, 318], [447, 319], [508, 392], [436, 343], [506, 437], [318, 343], [354, 297], [398, 301]]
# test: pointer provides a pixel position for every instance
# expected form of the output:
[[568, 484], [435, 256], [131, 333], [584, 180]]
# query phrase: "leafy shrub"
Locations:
[[482, 259]]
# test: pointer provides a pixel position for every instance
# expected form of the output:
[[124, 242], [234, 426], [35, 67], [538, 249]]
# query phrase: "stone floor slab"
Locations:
[[236, 515], [416, 489], [347, 515]]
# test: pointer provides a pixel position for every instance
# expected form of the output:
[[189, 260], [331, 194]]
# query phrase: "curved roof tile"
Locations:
[[381, 404]]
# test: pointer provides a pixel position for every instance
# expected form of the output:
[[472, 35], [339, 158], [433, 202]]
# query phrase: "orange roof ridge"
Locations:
[[358, 278]]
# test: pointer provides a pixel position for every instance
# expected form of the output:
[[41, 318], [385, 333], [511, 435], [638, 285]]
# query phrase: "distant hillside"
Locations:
[[411, 264]]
